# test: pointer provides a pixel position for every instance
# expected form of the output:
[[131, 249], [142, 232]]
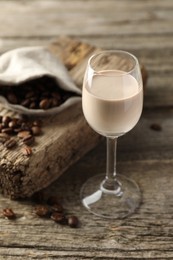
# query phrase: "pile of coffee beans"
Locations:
[[41, 93], [19, 130], [54, 210]]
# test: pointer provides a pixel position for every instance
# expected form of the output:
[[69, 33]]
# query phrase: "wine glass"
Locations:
[[112, 101]]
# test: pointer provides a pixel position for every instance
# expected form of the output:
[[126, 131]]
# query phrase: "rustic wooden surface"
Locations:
[[144, 28]]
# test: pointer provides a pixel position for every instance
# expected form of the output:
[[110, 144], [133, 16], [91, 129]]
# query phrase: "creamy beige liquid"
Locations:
[[112, 103]]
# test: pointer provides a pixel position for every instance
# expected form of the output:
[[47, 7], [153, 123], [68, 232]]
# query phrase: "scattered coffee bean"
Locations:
[[28, 140], [59, 218], [42, 211], [73, 221], [26, 150], [25, 126], [13, 124], [156, 127], [23, 134], [36, 130], [5, 120], [37, 123], [7, 130], [17, 130], [10, 143], [9, 213]]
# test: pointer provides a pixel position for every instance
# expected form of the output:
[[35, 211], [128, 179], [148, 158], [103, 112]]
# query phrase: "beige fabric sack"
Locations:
[[28, 63]]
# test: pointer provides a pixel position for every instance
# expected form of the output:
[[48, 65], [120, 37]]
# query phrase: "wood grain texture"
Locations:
[[144, 28]]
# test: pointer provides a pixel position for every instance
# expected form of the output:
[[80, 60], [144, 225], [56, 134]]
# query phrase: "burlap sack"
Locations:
[[28, 63]]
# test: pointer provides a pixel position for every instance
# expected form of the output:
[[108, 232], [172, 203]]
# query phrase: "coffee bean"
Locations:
[[1, 126], [12, 98], [42, 211], [10, 143], [23, 134], [26, 102], [5, 120], [73, 221], [17, 130], [26, 150], [59, 218], [32, 105], [28, 140], [54, 102], [20, 121], [13, 124], [25, 126], [36, 130], [9, 213], [156, 127], [37, 123], [44, 104], [7, 130]]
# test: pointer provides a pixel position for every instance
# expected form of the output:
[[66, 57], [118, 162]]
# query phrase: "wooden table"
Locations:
[[146, 155]]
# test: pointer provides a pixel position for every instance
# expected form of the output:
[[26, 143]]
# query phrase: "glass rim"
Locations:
[[136, 62]]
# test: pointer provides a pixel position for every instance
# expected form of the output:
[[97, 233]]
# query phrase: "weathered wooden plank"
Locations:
[[151, 17], [131, 42], [146, 234]]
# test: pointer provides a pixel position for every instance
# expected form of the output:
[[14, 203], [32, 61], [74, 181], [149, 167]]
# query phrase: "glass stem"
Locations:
[[110, 184], [111, 158]]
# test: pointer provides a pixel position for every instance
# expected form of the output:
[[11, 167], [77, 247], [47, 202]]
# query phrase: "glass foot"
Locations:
[[115, 204]]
